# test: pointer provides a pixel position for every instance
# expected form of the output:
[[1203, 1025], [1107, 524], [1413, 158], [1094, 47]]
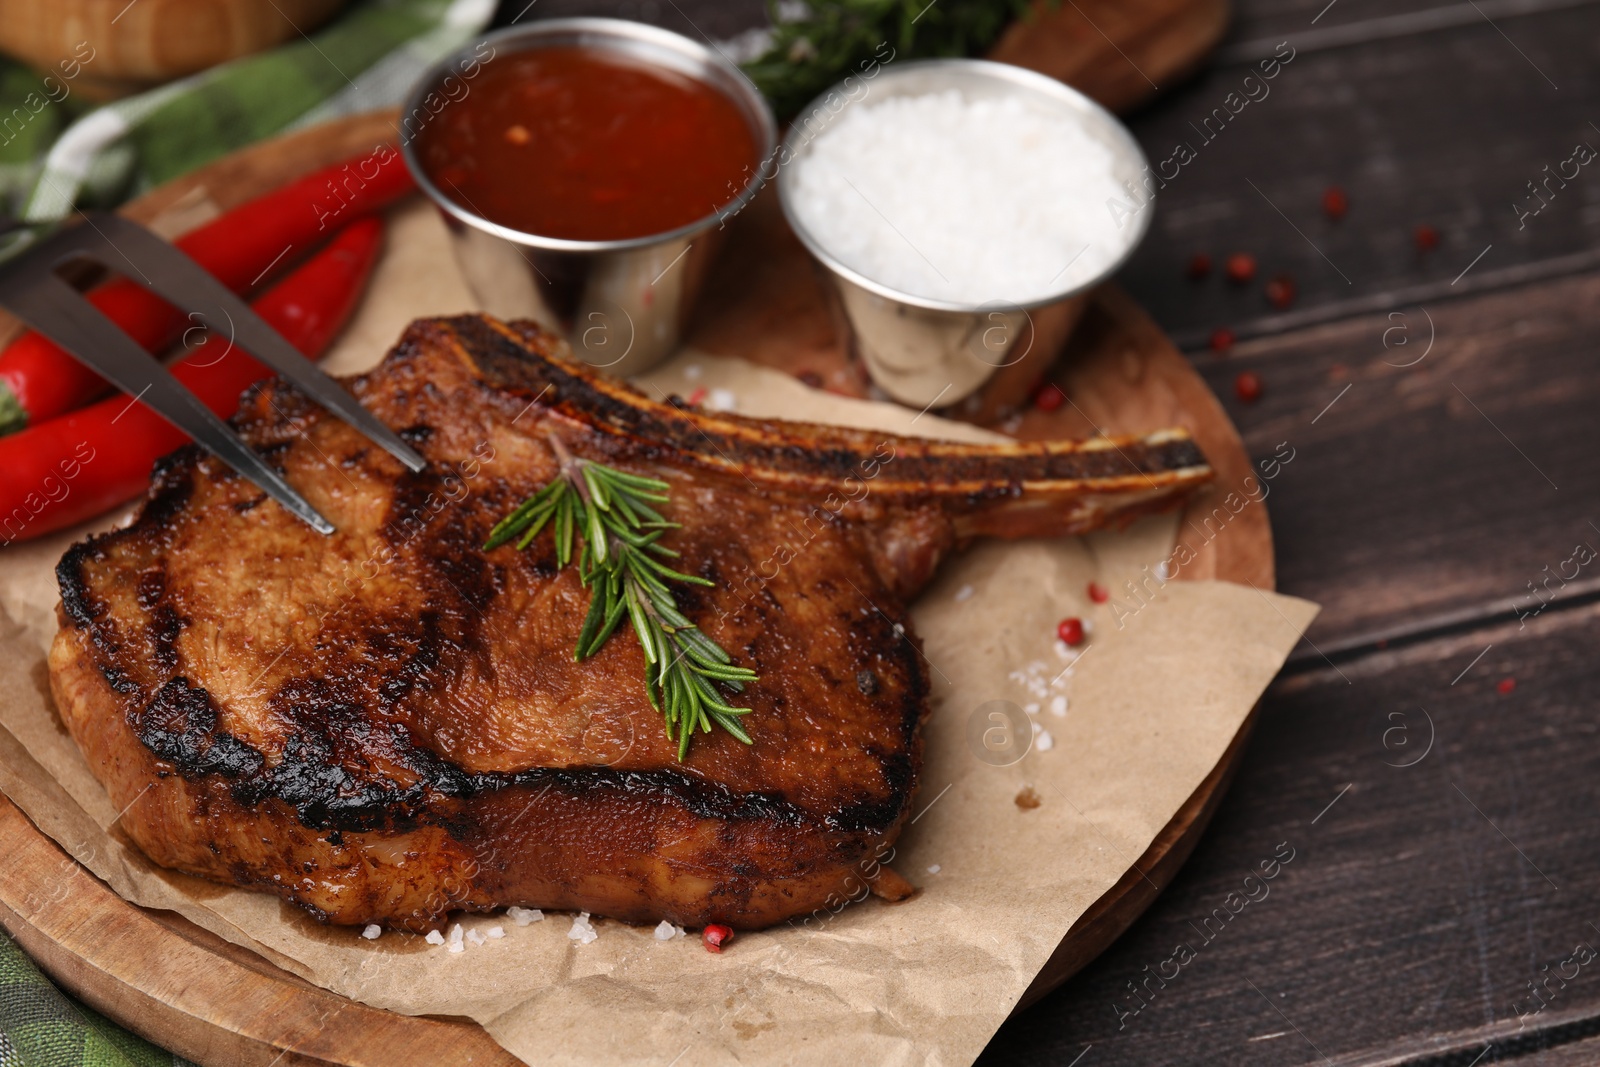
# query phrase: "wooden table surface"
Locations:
[[1431, 752]]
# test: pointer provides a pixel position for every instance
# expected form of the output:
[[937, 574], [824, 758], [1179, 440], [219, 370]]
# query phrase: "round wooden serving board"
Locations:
[[216, 1003]]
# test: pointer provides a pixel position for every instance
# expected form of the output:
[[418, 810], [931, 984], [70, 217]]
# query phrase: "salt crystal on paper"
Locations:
[[524, 916], [1037, 729], [1044, 742], [692, 372], [722, 400], [372, 932], [496, 931], [934, 869], [434, 938], [581, 931], [475, 937], [1058, 706], [1031, 709], [665, 931], [963, 593], [1161, 570], [455, 943]]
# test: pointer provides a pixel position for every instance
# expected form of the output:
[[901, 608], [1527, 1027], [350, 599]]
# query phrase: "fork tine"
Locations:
[[166, 270], [41, 299]]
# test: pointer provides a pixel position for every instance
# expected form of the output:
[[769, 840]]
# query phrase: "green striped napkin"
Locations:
[[39, 1027], [57, 151]]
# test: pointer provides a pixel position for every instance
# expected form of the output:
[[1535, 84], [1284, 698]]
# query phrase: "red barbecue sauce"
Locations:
[[588, 144]]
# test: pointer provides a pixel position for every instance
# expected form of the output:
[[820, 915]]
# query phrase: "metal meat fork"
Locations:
[[31, 290]]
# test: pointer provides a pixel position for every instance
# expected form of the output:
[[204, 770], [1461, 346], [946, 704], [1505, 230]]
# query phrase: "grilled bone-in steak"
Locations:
[[387, 724]]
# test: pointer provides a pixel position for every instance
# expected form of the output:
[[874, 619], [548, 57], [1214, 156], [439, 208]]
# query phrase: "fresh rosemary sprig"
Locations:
[[833, 38], [619, 531]]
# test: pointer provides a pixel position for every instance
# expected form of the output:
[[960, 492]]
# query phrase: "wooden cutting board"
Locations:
[[219, 1004]]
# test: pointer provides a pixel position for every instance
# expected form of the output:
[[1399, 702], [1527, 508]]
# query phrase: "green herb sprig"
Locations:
[[612, 515], [834, 38]]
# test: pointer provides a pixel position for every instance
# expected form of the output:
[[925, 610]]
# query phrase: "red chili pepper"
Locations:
[[1506, 685], [1426, 237], [1049, 397], [1248, 386], [715, 936], [1070, 631], [1099, 593], [1221, 339], [39, 381], [65, 470]]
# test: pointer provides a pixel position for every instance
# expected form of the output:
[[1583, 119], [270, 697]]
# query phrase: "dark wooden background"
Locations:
[[1418, 509]]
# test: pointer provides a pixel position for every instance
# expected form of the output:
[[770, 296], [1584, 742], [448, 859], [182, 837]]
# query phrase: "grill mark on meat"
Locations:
[[673, 432], [180, 726]]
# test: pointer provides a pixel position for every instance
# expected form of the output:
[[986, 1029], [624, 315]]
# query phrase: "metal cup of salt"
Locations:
[[935, 344]]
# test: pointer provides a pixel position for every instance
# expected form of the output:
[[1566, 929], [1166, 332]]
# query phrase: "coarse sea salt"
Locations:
[[665, 931], [968, 200], [582, 932], [524, 916], [372, 932], [1039, 679]]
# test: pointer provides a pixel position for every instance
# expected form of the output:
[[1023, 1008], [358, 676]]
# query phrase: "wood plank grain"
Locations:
[[1343, 23], [1421, 493], [1421, 899], [1409, 139]]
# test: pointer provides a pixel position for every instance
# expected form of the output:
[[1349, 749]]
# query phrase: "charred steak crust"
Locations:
[[385, 725], [773, 449]]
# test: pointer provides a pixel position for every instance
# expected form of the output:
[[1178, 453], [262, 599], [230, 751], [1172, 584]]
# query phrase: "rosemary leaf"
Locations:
[[835, 38], [618, 530]]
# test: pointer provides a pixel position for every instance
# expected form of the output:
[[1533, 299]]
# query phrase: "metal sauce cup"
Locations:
[[622, 303], [924, 351]]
